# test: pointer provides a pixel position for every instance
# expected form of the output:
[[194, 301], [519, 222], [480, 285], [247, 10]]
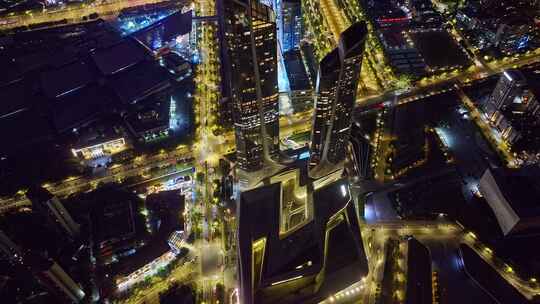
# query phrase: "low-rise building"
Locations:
[[403, 55], [409, 145], [150, 122], [178, 66]]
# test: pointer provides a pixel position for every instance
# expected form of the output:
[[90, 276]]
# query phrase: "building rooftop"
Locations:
[[330, 63], [113, 217], [439, 49], [97, 133], [80, 107], [521, 188], [351, 41], [54, 47], [14, 98], [488, 278], [394, 38], [118, 57], [302, 252], [66, 79], [139, 81], [419, 288], [24, 129], [154, 115], [296, 71], [533, 80], [164, 209]]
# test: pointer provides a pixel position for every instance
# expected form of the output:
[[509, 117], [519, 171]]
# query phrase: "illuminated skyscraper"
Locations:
[[337, 82], [251, 63], [511, 85]]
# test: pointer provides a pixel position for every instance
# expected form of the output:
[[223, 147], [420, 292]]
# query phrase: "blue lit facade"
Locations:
[[291, 27]]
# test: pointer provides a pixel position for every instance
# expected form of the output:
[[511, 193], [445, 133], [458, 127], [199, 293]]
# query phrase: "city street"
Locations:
[[455, 286], [73, 13], [213, 258]]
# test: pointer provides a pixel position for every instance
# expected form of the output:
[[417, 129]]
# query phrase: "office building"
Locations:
[[113, 224], [513, 107], [337, 82], [48, 205], [510, 86], [305, 263], [251, 64], [292, 26]]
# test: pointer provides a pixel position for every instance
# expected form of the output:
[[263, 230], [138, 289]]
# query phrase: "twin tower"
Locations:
[[251, 57]]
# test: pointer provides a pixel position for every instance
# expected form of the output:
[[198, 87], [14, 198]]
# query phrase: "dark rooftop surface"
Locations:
[[98, 132], [16, 134], [79, 108], [418, 274], [351, 41], [53, 47], [407, 117], [50, 63], [431, 196], [489, 279], [296, 71], [153, 116], [329, 63], [521, 188], [66, 79], [43, 237], [259, 217], [164, 208], [14, 98], [533, 80], [115, 220], [385, 10], [118, 57], [139, 81], [394, 38], [439, 49]]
